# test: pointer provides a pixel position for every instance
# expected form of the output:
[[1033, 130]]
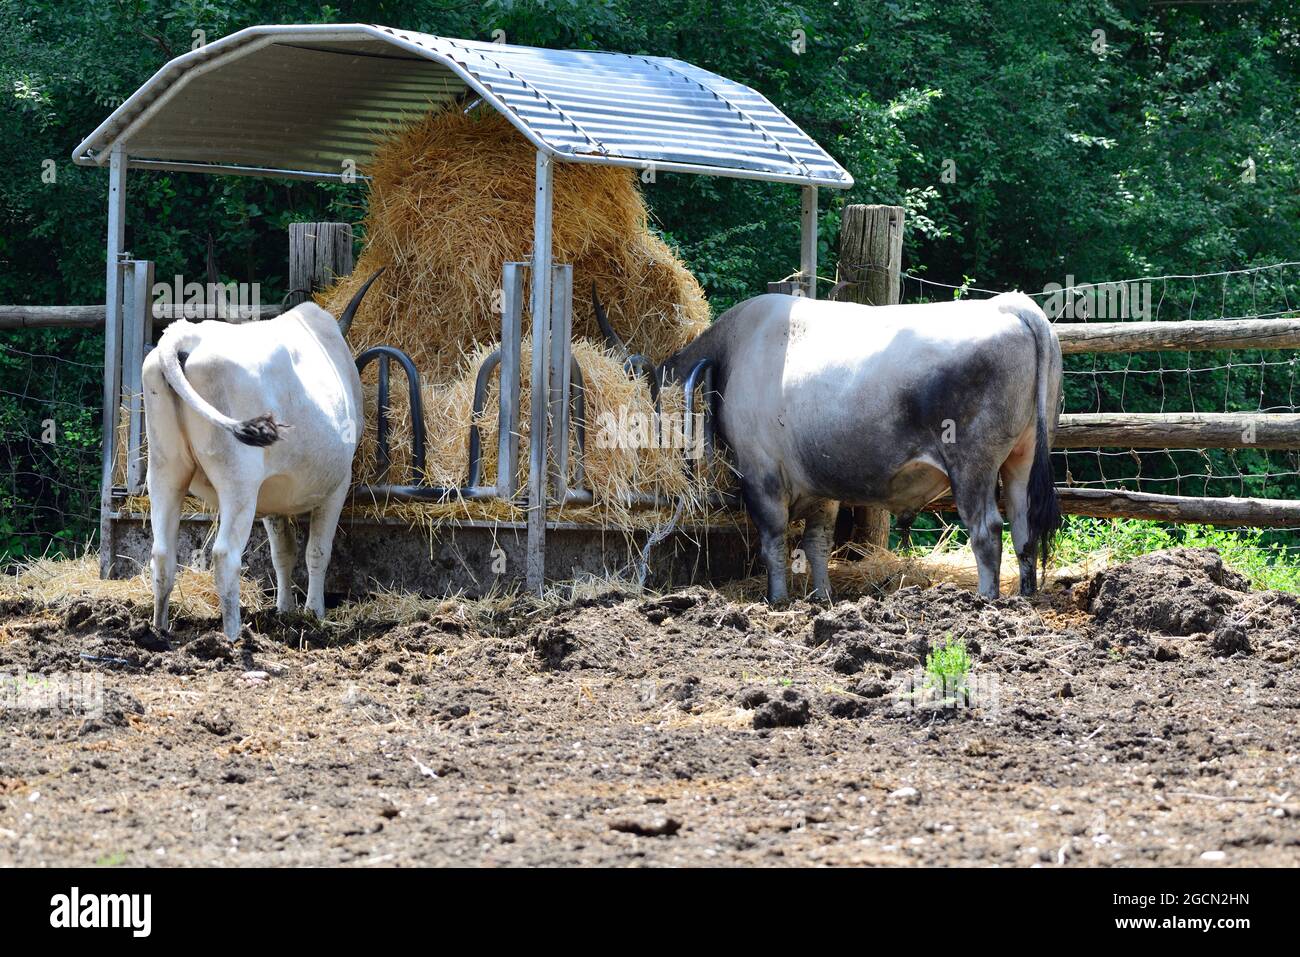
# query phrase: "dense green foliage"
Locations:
[[1099, 156]]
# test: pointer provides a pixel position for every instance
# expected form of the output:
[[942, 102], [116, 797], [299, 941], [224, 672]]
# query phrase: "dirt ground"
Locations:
[[1147, 715]]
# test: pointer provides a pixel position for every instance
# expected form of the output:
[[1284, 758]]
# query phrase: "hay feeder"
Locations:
[[311, 102]]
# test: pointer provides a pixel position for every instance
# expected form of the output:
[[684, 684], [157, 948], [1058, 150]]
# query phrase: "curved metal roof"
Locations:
[[303, 100]]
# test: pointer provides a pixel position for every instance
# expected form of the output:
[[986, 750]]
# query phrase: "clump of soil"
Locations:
[[1181, 591], [785, 708]]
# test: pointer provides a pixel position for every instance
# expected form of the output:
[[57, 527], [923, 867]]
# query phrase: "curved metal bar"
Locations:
[[485, 371], [383, 407], [416, 403], [702, 369], [480, 396]]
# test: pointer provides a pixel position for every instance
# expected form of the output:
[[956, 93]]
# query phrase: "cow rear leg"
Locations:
[[320, 542], [283, 539], [237, 513], [166, 494], [977, 505], [818, 537], [1015, 483], [770, 512]]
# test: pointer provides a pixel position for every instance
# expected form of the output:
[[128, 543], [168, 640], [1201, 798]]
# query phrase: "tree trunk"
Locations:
[[319, 254]]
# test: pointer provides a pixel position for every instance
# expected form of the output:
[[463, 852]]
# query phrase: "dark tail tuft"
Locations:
[[1044, 506], [261, 430]]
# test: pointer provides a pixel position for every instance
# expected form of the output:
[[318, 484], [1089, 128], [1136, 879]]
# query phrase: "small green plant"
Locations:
[[947, 666], [116, 859]]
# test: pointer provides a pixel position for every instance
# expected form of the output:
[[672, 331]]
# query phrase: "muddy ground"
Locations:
[[1145, 716]]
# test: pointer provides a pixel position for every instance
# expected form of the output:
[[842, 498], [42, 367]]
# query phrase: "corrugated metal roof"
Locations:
[[304, 99]]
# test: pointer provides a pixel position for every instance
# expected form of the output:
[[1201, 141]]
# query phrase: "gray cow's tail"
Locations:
[[1044, 506], [260, 430]]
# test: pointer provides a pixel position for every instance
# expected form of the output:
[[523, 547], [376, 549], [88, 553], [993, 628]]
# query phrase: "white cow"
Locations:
[[282, 446]]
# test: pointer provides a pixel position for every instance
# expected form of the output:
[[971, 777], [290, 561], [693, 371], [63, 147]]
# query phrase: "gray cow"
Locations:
[[889, 406]]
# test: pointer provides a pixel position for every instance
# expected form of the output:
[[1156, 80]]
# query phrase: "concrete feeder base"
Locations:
[[471, 558]]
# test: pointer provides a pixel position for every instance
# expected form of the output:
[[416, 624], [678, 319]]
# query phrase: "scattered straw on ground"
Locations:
[[59, 581]]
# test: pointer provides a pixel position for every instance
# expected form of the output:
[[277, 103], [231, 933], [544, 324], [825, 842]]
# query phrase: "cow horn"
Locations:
[[602, 320], [345, 320]]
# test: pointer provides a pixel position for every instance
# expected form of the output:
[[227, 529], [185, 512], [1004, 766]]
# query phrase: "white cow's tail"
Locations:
[[259, 431], [1044, 507]]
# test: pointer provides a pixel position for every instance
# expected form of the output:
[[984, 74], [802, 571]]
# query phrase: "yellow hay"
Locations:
[[59, 581], [451, 201], [623, 456]]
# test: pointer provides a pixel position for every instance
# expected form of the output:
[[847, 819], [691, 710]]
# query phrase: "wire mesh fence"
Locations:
[[1242, 381], [51, 397]]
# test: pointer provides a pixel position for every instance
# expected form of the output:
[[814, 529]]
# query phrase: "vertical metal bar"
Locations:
[[112, 349], [539, 389], [512, 309], [137, 330], [561, 357], [808, 241], [579, 419], [383, 455]]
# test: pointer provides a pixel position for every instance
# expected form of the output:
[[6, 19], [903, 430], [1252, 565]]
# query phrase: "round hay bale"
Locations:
[[451, 201]]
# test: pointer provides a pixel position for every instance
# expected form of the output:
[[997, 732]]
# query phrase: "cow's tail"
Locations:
[[1044, 507], [260, 430]]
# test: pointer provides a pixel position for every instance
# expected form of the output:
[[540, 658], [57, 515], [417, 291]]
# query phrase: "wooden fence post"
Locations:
[[870, 272], [319, 253]]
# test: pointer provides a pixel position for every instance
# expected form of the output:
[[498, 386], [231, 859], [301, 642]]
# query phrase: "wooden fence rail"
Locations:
[[1076, 337], [1227, 510], [1178, 430], [92, 317], [1178, 335], [1118, 503]]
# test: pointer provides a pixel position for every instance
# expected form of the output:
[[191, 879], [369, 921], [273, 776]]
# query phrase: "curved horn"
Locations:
[[345, 320], [602, 320]]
